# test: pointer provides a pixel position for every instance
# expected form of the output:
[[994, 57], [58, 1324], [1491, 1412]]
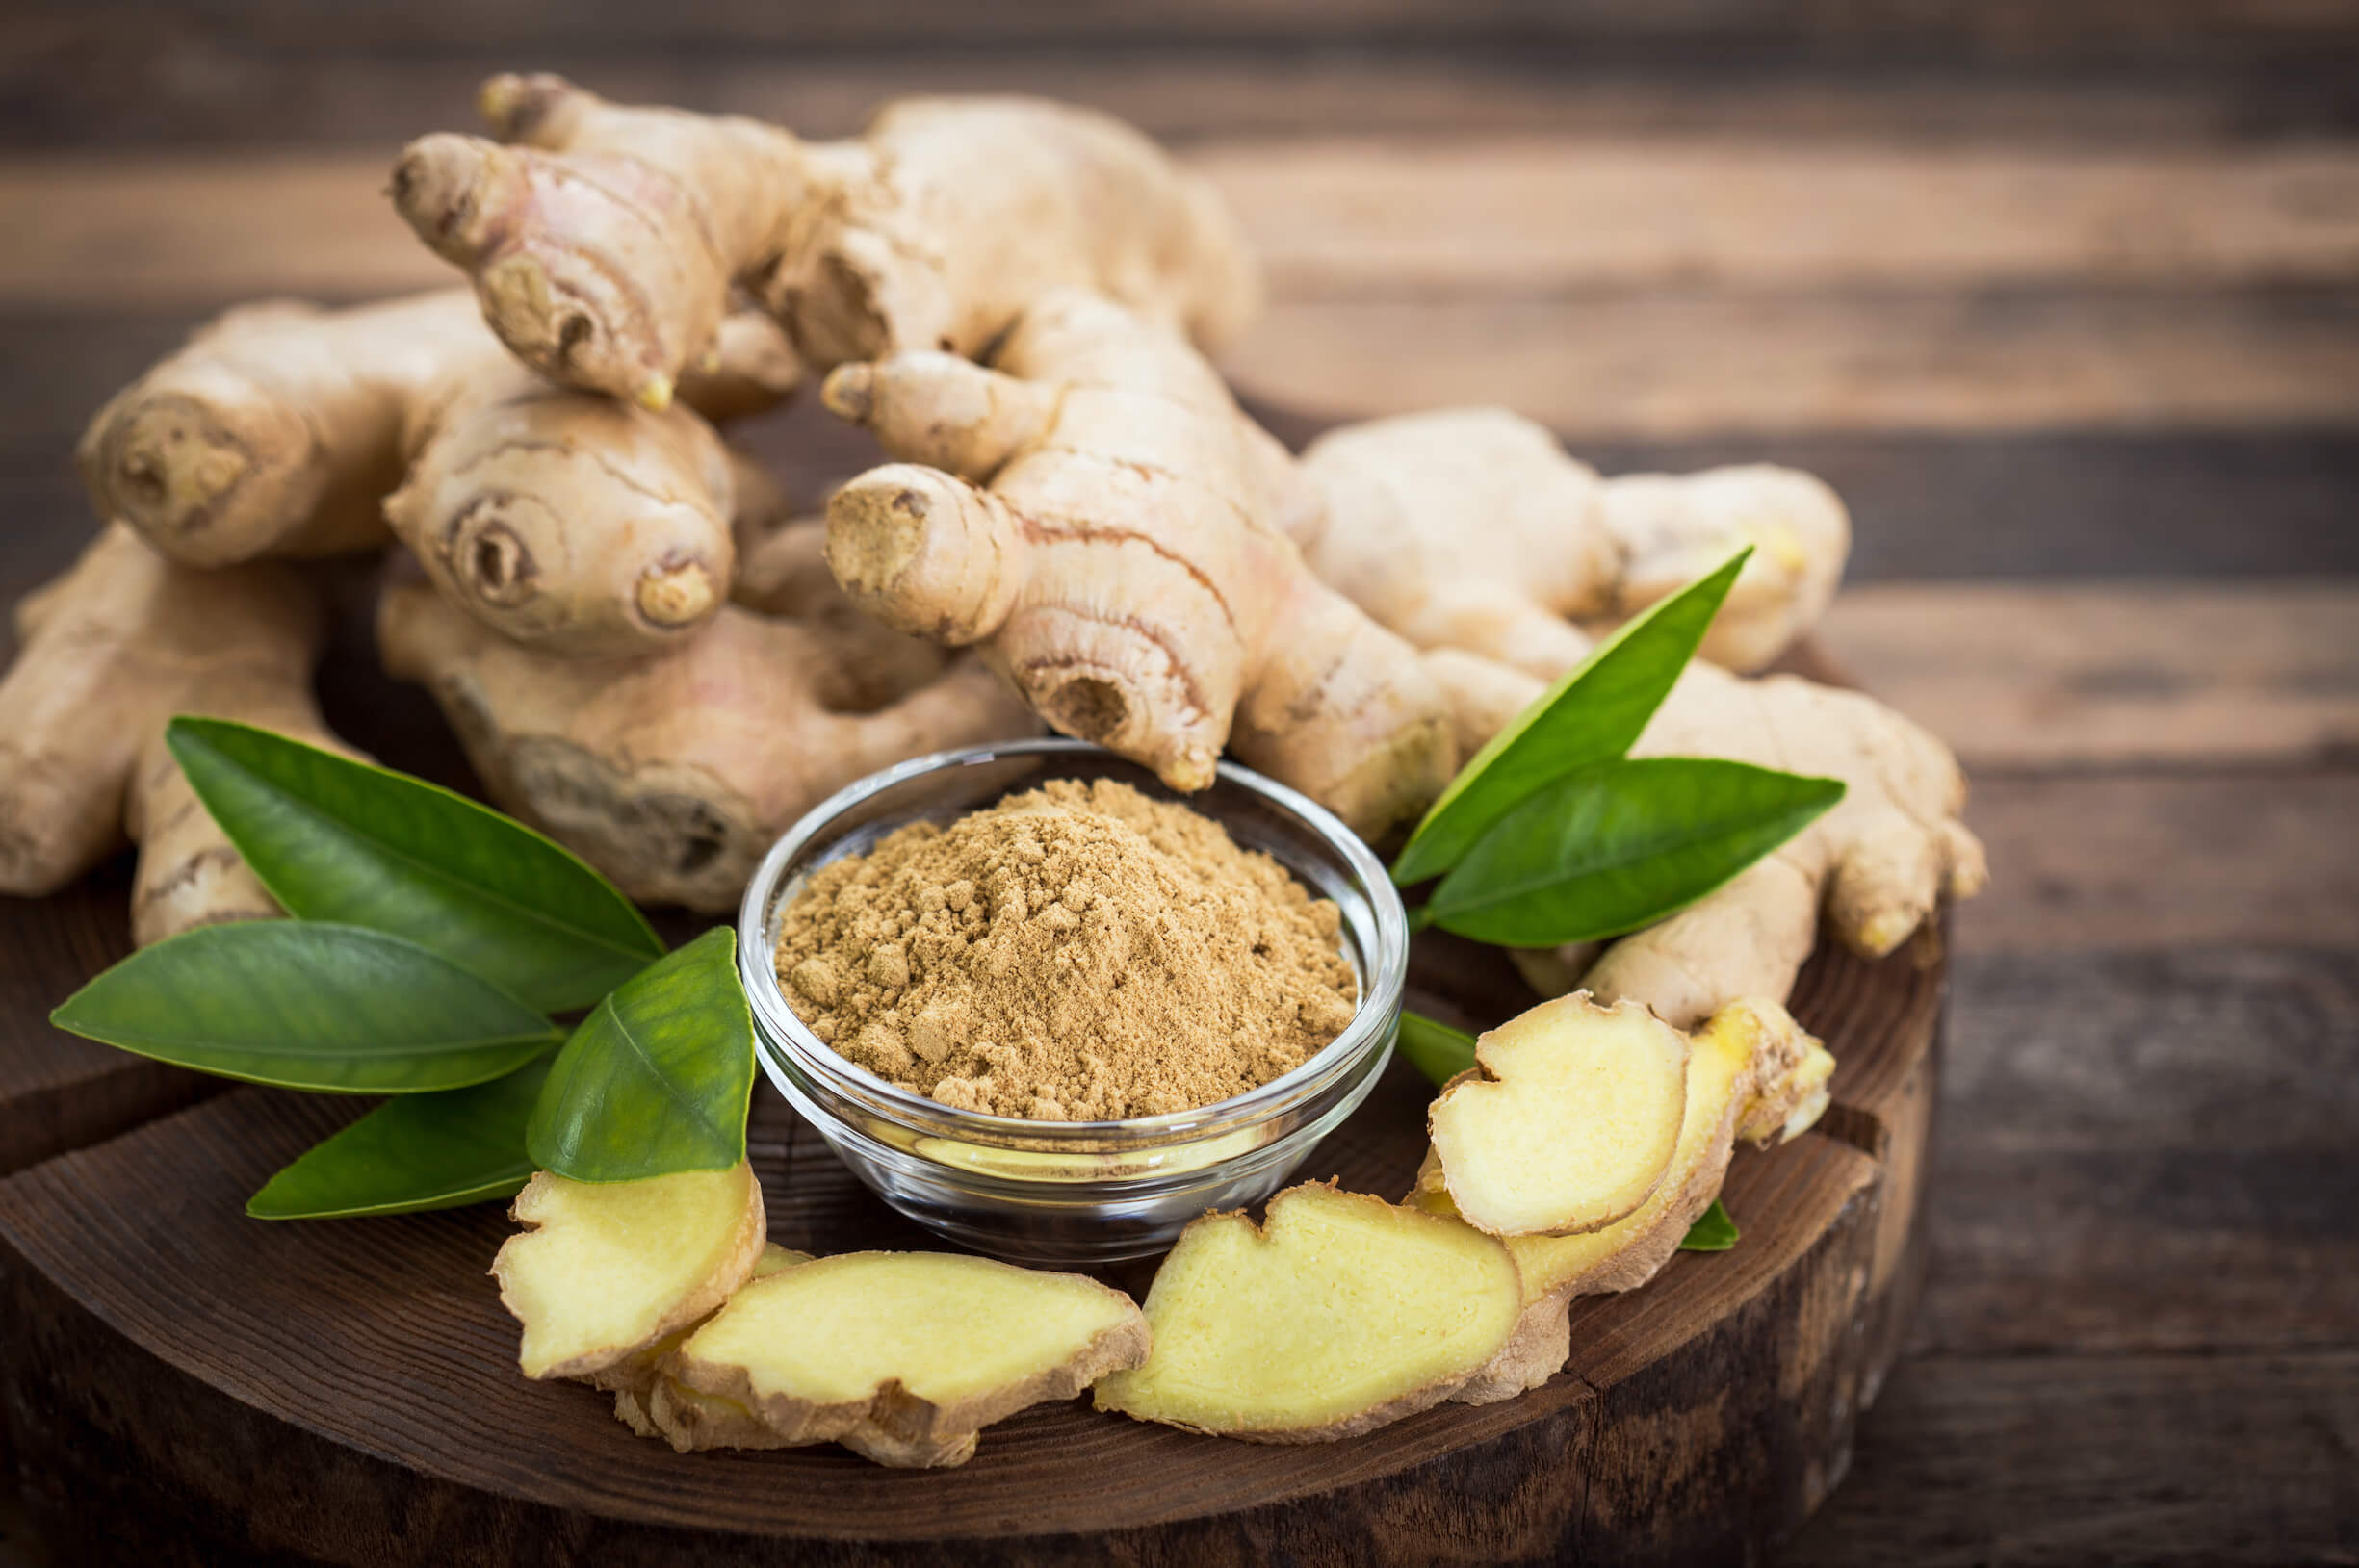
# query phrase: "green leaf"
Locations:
[[306, 1005], [335, 839], [1712, 1232], [1434, 1048], [1592, 714], [420, 1151], [1621, 846], [657, 1079]]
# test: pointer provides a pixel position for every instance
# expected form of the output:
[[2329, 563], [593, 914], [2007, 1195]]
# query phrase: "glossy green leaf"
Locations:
[[307, 1005], [657, 1079], [420, 1151], [1592, 714], [1621, 846], [336, 840], [1434, 1048], [1713, 1231]]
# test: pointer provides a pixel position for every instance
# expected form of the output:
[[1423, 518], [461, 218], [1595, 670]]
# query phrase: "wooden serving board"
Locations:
[[185, 1386]]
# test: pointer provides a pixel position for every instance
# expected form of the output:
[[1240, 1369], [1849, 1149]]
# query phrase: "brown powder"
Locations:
[[1074, 953]]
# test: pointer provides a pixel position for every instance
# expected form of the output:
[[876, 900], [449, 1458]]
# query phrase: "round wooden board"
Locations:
[[194, 1387]]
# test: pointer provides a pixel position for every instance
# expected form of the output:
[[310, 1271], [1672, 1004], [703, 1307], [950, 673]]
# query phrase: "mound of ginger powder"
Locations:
[[1078, 952]]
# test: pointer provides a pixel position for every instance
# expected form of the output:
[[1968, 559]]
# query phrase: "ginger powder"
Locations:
[[1078, 952]]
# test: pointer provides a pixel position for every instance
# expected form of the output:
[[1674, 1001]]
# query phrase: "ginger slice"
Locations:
[[637, 1378], [1752, 1073], [608, 1269], [1336, 1315], [903, 1358], [1568, 1122]]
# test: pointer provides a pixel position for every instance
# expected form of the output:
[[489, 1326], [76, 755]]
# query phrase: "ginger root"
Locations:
[[1113, 532], [1566, 1123], [603, 241], [672, 774], [1878, 864], [283, 430], [106, 655], [903, 1358], [1471, 527], [1339, 1314], [606, 1270], [1752, 1073]]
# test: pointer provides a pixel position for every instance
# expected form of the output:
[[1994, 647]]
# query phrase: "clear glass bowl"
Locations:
[[1074, 1192]]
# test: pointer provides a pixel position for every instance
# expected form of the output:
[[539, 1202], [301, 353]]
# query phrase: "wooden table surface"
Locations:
[[2064, 298]]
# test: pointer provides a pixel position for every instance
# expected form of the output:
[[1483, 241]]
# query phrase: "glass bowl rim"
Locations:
[[1387, 964]]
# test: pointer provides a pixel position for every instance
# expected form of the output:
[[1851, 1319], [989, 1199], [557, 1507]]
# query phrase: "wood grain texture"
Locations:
[[1336, 216], [166, 1357], [2038, 677], [2161, 31], [2147, 1152], [2156, 862], [2194, 1459], [1669, 362], [172, 83]]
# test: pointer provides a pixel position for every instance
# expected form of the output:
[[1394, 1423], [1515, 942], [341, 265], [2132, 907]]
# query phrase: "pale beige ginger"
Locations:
[[1339, 1314], [673, 773], [561, 519], [1753, 1073], [1094, 512], [1874, 868], [605, 1270], [106, 655], [604, 239], [903, 1358], [1471, 529], [1566, 1123]]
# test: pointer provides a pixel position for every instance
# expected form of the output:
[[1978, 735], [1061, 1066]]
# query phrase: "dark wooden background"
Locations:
[[2062, 294]]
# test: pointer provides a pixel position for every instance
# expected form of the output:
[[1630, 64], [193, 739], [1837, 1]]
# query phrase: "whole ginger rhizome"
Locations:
[[1078, 952]]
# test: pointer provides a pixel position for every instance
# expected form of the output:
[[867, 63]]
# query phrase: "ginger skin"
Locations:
[[1875, 866], [1471, 527], [603, 240], [672, 774], [1098, 517], [106, 655], [282, 429]]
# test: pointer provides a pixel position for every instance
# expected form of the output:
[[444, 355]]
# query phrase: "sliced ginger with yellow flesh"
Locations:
[[608, 1269], [1752, 1072], [1336, 1315], [902, 1356], [635, 1378], [1568, 1122]]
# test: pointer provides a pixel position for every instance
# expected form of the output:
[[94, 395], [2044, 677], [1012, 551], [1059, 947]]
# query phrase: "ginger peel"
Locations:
[[1471, 529], [673, 773], [108, 654], [1104, 522], [603, 240], [282, 429]]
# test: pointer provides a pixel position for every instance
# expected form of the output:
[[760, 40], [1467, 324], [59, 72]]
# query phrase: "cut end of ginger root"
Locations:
[[1339, 1314], [903, 1358], [607, 1270], [1568, 1122]]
